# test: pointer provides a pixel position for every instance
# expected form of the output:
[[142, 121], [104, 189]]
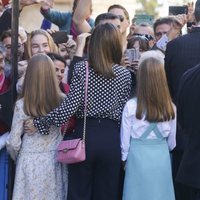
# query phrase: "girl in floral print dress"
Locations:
[[38, 174]]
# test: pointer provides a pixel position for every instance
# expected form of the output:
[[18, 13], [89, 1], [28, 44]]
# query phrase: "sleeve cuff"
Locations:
[[124, 156], [41, 124]]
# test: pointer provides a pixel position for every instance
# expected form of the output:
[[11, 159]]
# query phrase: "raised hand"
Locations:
[[190, 15], [179, 21]]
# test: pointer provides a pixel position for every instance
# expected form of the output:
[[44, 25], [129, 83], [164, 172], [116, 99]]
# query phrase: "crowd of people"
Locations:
[[141, 89]]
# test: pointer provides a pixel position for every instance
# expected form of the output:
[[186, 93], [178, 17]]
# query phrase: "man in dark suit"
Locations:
[[188, 110], [182, 54]]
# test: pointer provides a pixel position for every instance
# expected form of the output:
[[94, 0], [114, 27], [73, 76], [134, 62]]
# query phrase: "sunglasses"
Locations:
[[147, 36]]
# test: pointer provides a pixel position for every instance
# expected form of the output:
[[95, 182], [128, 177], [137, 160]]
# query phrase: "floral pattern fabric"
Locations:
[[38, 174]]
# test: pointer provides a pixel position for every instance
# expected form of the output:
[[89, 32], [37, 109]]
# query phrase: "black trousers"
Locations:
[[180, 191], [98, 177], [190, 193], [194, 194]]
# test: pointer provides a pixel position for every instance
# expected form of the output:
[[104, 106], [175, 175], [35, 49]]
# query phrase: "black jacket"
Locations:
[[5, 20], [188, 108], [182, 53]]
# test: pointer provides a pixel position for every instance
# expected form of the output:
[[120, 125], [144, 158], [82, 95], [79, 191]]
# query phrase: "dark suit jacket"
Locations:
[[188, 109], [5, 20], [182, 54]]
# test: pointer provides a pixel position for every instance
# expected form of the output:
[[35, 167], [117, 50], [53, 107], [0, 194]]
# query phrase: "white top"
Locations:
[[133, 127]]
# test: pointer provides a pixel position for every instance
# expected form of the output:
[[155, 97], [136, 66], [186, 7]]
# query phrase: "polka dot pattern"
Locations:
[[106, 97]]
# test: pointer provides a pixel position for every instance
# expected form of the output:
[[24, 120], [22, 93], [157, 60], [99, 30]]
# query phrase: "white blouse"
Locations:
[[133, 127]]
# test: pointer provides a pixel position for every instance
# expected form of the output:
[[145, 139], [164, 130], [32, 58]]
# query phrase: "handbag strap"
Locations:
[[65, 128], [85, 106], [85, 103]]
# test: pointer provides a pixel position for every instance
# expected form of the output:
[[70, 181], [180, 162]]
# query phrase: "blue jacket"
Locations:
[[61, 19]]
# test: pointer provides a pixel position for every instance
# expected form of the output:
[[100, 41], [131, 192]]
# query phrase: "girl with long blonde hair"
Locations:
[[148, 134], [38, 174]]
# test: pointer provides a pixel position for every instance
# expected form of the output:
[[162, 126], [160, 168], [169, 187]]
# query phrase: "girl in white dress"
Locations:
[[148, 134], [38, 174]]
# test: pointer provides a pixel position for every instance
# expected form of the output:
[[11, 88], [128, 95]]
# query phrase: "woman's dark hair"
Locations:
[[55, 56], [143, 42], [105, 49], [107, 16]]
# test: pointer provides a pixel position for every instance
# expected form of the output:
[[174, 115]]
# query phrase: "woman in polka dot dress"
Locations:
[[97, 178]]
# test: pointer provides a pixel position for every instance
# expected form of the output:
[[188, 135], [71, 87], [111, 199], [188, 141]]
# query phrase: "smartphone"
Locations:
[[132, 54], [176, 10], [139, 19], [60, 37]]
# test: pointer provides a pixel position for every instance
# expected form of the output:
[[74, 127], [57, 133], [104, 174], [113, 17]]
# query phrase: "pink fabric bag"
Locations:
[[73, 151]]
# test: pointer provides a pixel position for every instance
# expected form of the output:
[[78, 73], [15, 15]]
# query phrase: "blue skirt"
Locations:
[[148, 171], [3, 174]]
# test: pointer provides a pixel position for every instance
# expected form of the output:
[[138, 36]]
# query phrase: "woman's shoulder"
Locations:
[[122, 71], [80, 66], [131, 106], [132, 102], [80, 69], [20, 103], [120, 68], [19, 107]]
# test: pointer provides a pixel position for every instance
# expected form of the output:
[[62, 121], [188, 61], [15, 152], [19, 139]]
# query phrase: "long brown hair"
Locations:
[[105, 49], [41, 92], [153, 97]]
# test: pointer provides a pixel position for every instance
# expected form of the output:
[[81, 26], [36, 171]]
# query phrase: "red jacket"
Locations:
[[3, 127]]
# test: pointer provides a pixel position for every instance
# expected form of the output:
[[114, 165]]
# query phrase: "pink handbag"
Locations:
[[73, 151]]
